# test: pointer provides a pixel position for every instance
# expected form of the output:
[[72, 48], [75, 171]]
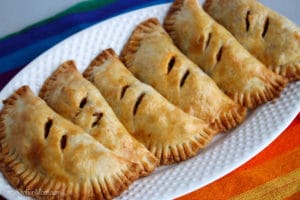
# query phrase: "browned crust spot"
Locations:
[[67, 66], [170, 18], [207, 4], [290, 71], [98, 61], [170, 154], [271, 91], [230, 119], [134, 42]]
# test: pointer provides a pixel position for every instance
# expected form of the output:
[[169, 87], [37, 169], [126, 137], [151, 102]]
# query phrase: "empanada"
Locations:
[[79, 101], [239, 74], [153, 58], [48, 157], [168, 132], [269, 36]]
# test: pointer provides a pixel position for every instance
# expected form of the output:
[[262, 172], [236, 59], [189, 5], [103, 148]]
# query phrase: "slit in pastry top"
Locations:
[[98, 116], [239, 74], [123, 91], [269, 36], [48, 126], [138, 102], [63, 142], [168, 132], [78, 100], [208, 40], [83, 102], [177, 78], [247, 20], [171, 63], [184, 77], [266, 27], [43, 151]]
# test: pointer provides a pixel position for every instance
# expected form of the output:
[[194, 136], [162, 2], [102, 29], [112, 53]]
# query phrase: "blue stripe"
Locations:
[[25, 55], [36, 34]]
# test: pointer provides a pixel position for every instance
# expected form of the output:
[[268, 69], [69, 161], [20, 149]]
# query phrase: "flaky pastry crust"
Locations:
[[153, 58], [45, 156], [168, 132], [271, 37], [79, 101], [239, 74]]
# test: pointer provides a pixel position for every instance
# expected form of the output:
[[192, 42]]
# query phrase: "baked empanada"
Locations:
[[48, 157], [153, 58], [168, 132], [239, 74], [79, 101], [269, 36]]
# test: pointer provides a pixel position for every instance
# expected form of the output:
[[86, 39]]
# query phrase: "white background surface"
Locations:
[[227, 152], [18, 14]]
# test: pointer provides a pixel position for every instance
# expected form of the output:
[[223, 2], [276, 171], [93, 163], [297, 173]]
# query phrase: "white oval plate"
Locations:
[[224, 154]]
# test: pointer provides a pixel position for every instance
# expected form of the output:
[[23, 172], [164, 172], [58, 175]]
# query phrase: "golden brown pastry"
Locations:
[[269, 36], [168, 132], [42, 151], [239, 74], [152, 57], [79, 101]]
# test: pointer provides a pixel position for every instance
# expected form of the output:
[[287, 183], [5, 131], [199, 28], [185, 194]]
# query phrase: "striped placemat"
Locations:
[[272, 174]]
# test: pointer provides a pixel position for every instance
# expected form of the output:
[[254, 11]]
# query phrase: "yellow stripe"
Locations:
[[294, 196], [278, 188]]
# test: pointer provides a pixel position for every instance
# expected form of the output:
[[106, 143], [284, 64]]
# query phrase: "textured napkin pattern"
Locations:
[[272, 174]]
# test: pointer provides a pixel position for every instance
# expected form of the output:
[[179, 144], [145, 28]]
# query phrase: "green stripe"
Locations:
[[87, 5]]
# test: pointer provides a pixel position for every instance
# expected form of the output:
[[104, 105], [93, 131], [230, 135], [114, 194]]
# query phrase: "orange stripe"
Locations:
[[288, 140], [275, 160], [276, 189], [244, 180], [294, 196]]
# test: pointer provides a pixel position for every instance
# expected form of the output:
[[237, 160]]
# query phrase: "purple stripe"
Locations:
[[7, 76]]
